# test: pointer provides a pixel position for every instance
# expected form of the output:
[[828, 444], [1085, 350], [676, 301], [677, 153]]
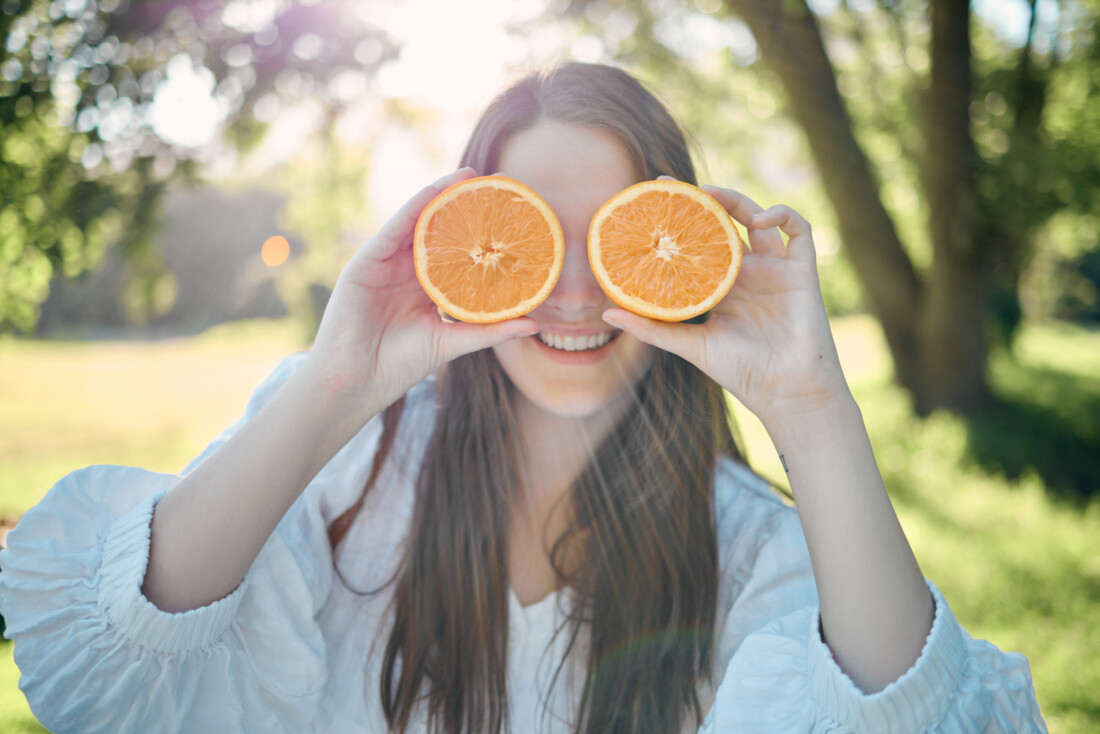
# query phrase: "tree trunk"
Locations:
[[952, 329], [935, 330]]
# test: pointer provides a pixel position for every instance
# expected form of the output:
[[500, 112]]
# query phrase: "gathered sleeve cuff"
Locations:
[[955, 679], [122, 572], [784, 678], [917, 696]]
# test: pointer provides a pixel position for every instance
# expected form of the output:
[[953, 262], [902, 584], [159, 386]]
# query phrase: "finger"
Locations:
[[800, 245], [742, 208], [684, 340], [398, 231], [458, 338]]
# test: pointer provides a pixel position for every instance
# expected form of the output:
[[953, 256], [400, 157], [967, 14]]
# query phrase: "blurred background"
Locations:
[[180, 183]]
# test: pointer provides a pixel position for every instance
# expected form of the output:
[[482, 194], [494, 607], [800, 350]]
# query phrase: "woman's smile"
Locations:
[[576, 343]]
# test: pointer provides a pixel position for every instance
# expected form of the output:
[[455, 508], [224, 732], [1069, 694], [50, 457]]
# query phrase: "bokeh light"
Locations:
[[275, 252]]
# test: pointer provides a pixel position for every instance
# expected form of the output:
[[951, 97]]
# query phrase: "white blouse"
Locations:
[[297, 647]]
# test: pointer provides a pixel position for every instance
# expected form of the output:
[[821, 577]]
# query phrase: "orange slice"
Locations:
[[664, 249], [488, 249]]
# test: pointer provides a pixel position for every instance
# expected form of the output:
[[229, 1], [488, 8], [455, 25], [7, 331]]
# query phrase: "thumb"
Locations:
[[683, 340], [459, 338]]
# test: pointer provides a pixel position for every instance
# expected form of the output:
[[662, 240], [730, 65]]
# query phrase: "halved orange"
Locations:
[[488, 249], [664, 249]]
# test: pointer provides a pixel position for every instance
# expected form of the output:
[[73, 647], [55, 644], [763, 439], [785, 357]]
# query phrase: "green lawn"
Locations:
[[65, 405], [1010, 542]]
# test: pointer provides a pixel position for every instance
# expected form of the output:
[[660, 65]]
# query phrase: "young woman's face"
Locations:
[[576, 169]]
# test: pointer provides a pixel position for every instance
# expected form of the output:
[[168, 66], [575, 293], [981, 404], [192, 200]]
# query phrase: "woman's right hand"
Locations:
[[380, 333]]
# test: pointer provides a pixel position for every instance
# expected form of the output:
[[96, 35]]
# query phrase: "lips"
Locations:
[[571, 343]]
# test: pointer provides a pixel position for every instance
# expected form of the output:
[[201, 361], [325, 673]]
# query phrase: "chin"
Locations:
[[577, 402]]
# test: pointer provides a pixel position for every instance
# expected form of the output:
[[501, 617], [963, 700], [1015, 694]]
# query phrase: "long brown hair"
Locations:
[[641, 511]]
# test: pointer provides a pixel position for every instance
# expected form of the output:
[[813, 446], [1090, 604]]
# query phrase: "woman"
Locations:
[[532, 539]]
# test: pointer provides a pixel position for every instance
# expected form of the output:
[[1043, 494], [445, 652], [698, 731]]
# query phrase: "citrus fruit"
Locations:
[[664, 249], [488, 249]]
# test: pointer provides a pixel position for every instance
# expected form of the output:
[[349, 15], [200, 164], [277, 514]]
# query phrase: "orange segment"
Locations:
[[488, 249], [664, 249]]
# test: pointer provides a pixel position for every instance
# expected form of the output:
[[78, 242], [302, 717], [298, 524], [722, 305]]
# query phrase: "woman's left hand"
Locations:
[[768, 341]]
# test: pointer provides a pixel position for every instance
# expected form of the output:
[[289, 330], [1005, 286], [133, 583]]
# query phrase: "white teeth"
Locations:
[[575, 343]]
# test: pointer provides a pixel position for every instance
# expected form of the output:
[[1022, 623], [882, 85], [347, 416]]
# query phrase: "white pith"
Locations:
[[575, 343], [667, 248], [490, 255]]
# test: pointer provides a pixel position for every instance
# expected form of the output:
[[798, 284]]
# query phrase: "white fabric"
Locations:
[[293, 648]]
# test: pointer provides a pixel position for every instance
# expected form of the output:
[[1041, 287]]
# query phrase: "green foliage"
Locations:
[[52, 220], [86, 151], [326, 206], [1035, 126], [61, 204]]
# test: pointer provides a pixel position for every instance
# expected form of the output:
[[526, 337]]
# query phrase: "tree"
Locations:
[[89, 141], [980, 206]]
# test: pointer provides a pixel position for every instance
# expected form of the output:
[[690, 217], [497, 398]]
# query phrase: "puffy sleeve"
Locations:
[[782, 677], [96, 656]]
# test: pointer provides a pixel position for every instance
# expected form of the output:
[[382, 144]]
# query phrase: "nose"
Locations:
[[577, 290]]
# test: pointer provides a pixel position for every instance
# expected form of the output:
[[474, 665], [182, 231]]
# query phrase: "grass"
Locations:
[[65, 405], [1012, 548]]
